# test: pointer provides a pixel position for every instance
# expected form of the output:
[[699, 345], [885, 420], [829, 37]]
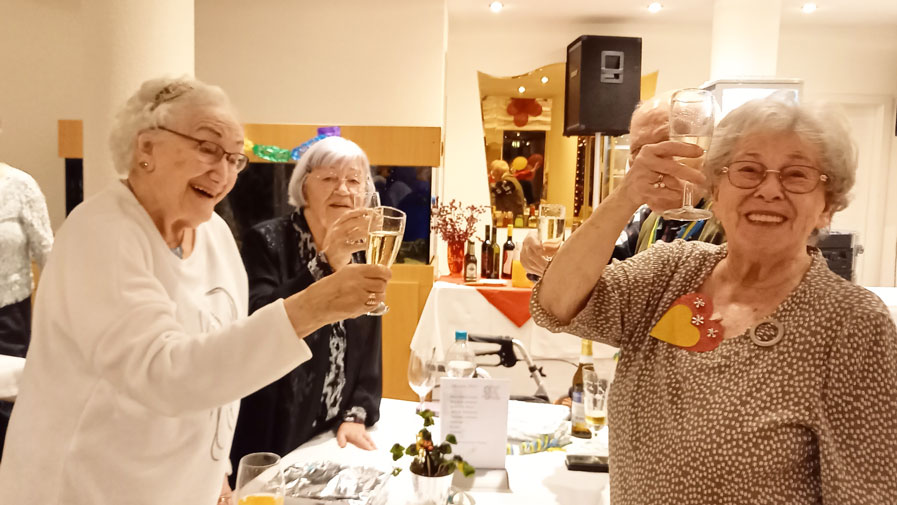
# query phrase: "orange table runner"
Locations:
[[510, 301]]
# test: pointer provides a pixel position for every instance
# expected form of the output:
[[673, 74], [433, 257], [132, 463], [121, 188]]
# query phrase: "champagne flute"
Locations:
[[385, 232], [691, 121], [366, 200], [595, 390], [422, 374], [551, 227], [260, 480]]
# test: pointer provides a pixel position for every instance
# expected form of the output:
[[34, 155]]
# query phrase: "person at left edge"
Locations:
[[340, 387], [141, 346]]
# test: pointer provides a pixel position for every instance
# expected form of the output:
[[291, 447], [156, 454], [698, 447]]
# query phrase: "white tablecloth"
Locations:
[[10, 372], [453, 307], [540, 478]]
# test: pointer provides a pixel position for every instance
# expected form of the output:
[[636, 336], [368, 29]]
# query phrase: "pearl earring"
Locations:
[[144, 164]]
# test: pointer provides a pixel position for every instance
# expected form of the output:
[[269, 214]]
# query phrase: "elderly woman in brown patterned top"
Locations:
[[749, 372]]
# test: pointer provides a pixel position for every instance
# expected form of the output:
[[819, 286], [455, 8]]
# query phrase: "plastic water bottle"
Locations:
[[460, 361]]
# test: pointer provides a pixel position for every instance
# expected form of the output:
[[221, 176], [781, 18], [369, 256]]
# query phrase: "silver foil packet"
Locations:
[[333, 483]]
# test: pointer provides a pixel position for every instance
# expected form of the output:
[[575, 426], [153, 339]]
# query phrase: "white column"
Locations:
[[745, 38], [126, 43]]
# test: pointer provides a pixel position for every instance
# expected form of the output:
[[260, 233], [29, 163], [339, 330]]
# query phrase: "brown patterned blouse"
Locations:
[[812, 419]]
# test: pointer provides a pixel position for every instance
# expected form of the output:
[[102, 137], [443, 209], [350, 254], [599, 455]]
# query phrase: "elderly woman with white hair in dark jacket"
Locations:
[[340, 387], [748, 372], [141, 346]]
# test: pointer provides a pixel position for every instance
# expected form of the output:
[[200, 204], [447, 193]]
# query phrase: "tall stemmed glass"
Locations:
[[422, 373], [596, 387], [366, 200], [260, 479], [551, 227], [691, 121], [385, 232]]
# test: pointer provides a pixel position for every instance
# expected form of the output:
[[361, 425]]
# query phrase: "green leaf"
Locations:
[[445, 448], [467, 469], [426, 435], [451, 439], [411, 450], [396, 451], [396, 470]]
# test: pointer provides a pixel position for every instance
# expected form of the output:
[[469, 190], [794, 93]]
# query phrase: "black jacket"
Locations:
[[283, 415]]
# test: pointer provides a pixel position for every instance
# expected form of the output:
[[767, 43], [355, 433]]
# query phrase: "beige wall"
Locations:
[[353, 62], [42, 81]]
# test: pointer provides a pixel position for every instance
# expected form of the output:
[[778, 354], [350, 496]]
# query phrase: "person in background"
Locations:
[[748, 371], [507, 194], [340, 387], [141, 345], [25, 237], [649, 125]]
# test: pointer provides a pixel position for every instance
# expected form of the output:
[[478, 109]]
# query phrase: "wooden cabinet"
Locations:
[[406, 295]]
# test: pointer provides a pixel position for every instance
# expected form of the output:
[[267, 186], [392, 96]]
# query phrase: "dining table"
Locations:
[[538, 478]]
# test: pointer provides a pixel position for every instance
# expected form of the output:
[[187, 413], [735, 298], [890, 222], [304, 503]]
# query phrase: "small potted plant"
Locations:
[[455, 223], [433, 465]]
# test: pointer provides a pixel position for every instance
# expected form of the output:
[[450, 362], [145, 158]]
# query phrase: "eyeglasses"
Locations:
[[354, 181], [794, 178], [210, 152]]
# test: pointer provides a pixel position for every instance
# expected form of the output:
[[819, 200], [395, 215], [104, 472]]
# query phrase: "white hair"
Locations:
[[153, 105], [331, 152]]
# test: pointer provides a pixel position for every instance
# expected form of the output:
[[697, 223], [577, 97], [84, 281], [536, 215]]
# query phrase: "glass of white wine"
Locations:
[[366, 200], [596, 387], [551, 227], [691, 120], [260, 480], [422, 373], [385, 232]]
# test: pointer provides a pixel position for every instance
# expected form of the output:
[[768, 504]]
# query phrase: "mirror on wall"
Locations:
[[528, 160]]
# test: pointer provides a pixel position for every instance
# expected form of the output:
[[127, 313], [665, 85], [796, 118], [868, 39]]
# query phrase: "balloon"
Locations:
[[533, 108], [512, 108], [518, 164], [521, 119]]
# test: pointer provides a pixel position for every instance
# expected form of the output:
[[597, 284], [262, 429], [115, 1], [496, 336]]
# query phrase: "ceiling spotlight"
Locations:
[[521, 90], [544, 79], [655, 7], [808, 8], [496, 7]]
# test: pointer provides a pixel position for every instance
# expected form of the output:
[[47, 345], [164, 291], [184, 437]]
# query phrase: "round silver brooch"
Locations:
[[770, 335]]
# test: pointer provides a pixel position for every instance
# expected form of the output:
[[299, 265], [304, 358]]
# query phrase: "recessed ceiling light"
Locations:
[[808, 8], [655, 7], [544, 79], [521, 90], [496, 7]]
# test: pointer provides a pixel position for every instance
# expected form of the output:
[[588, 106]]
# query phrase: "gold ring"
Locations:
[[372, 300]]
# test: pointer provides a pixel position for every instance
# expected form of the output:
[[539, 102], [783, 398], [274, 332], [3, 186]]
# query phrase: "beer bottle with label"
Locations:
[[470, 262], [578, 426]]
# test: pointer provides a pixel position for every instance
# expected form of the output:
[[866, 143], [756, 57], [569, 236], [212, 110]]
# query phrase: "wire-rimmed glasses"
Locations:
[[210, 152], [798, 179], [691, 121]]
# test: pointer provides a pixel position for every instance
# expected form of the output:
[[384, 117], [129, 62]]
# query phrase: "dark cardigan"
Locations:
[[283, 415]]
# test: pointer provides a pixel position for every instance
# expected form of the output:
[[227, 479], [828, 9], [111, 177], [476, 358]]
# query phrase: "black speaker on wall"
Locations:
[[602, 84]]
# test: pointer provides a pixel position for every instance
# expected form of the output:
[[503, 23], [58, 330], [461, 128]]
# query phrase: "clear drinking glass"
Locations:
[[385, 232], [366, 200], [596, 386], [551, 227], [691, 121], [260, 480], [422, 373]]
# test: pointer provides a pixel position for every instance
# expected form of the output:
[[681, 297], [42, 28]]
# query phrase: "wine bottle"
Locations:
[[578, 427], [507, 254], [470, 262], [486, 257], [495, 267]]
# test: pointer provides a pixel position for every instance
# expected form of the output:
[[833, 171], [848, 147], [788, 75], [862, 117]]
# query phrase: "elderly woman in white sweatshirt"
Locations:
[[141, 346]]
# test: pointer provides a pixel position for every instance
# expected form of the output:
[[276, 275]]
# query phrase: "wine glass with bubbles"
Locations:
[[691, 121], [385, 232]]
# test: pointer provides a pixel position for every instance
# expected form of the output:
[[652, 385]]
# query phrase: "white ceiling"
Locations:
[[841, 12]]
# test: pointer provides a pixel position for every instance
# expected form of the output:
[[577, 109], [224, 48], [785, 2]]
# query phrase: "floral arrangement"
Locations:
[[455, 222], [431, 460]]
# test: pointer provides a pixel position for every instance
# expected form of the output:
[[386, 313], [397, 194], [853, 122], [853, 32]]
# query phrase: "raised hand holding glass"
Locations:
[[691, 121]]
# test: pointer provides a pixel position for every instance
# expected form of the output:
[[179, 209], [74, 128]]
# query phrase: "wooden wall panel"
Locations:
[[406, 295], [384, 145]]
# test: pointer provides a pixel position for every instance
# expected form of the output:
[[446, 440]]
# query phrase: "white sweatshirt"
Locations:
[[137, 362]]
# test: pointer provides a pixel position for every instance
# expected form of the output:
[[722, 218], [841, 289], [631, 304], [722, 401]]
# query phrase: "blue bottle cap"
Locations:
[[460, 335]]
